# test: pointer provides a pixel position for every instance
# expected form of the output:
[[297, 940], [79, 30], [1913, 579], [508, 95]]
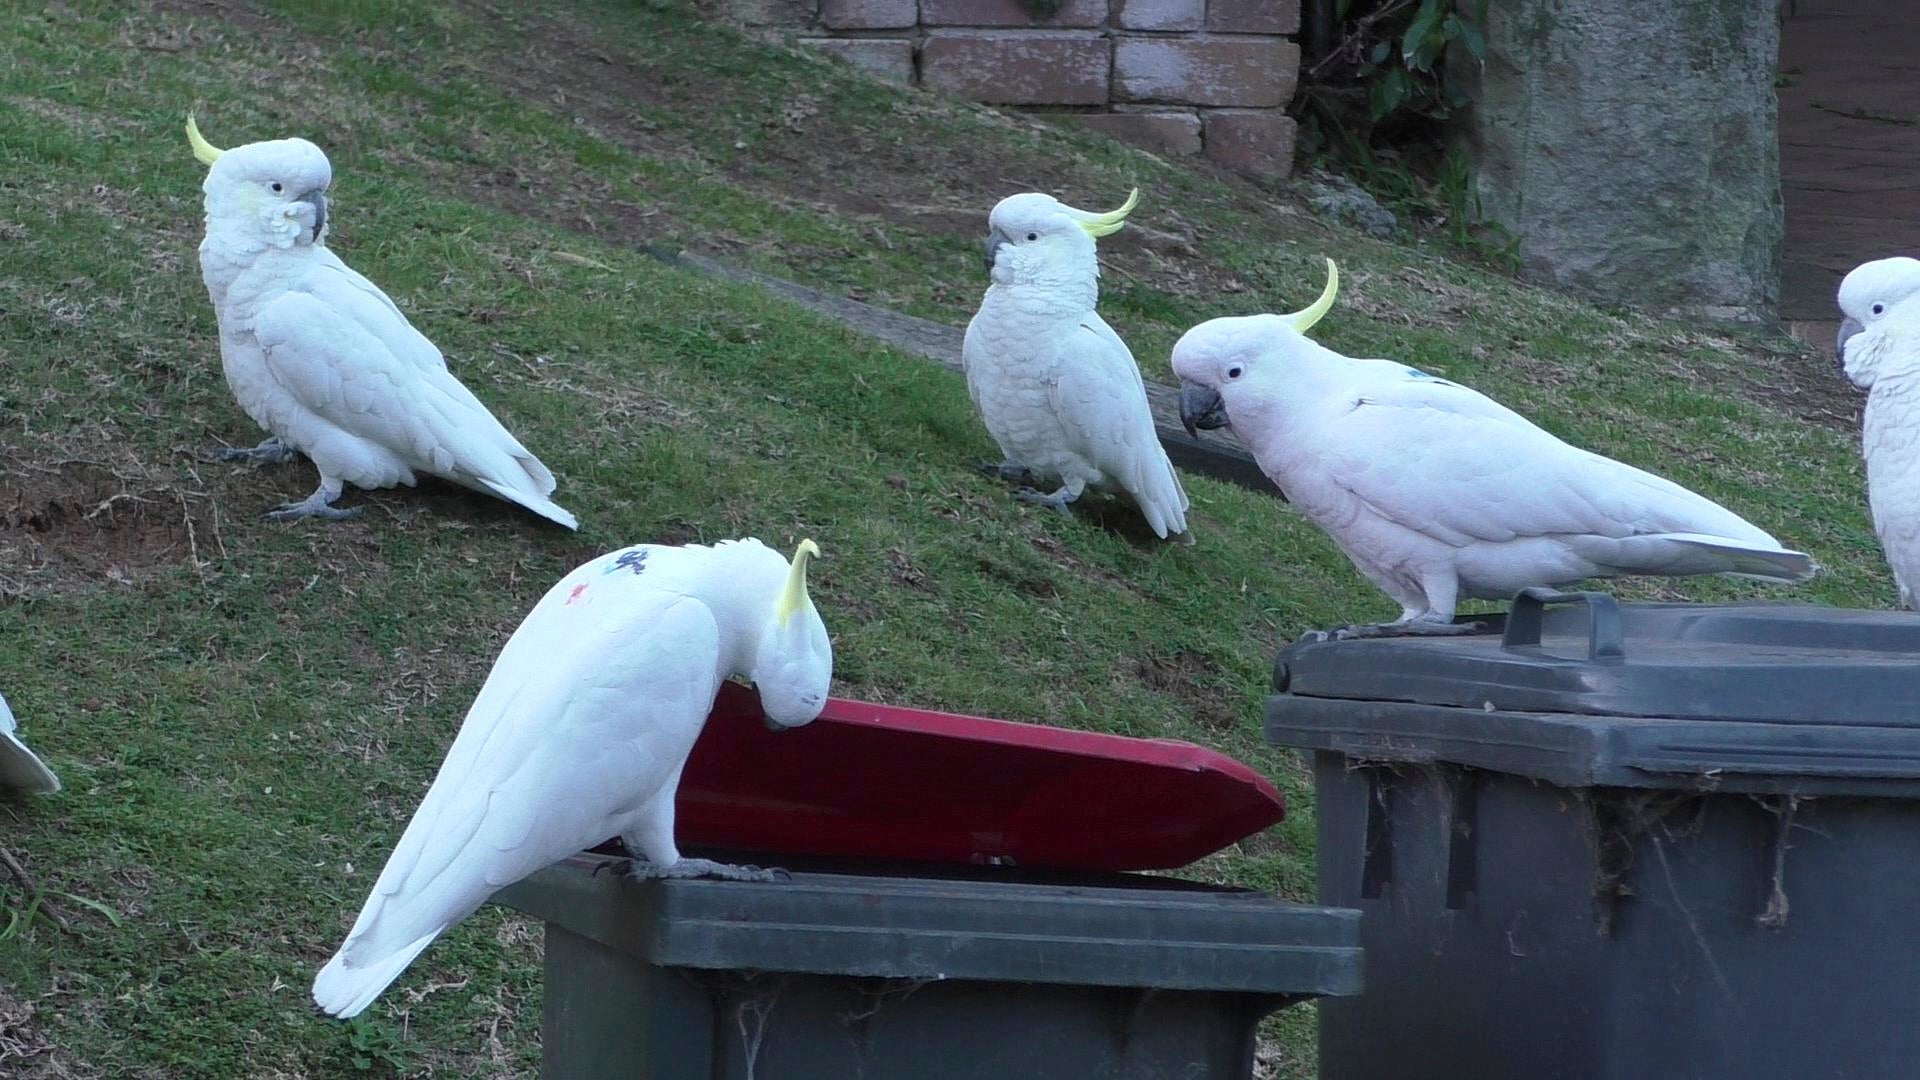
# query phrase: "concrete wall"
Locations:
[[1632, 147], [1181, 77]]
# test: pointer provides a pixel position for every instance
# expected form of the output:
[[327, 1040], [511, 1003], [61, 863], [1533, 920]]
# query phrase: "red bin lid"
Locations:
[[874, 781]]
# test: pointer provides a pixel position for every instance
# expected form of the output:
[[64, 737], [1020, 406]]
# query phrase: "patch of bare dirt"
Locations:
[[1191, 678], [25, 1051], [902, 571], [81, 520]]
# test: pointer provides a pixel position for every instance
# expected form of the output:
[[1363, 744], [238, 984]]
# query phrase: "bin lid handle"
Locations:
[[1604, 636]]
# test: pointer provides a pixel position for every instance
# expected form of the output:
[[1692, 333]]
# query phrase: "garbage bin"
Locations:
[[1621, 840], [958, 911], [918, 974]]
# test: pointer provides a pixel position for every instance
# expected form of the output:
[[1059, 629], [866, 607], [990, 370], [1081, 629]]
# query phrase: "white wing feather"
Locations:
[[585, 717], [1446, 461], [1101, 400], [20, 767], [341, 348]]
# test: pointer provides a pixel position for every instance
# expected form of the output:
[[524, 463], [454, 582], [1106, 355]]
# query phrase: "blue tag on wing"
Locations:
[[1417, 375], [634, 560]]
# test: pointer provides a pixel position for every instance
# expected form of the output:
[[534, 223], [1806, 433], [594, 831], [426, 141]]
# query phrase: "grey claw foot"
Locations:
[[271, 452], [1001, 470], [642, 870], [1059, 500], [314, 507]]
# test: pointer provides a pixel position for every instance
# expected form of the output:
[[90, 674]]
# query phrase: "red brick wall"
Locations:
[[1208, 77]]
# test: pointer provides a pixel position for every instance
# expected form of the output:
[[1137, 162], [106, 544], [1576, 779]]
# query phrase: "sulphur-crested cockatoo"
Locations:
[[19, 767], [1056, 386], [322, 360], [1879, 349], [1436, 491], [580, 733]]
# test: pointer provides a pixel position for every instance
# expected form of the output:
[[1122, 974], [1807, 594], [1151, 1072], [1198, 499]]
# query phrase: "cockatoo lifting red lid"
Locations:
[[580, 734]]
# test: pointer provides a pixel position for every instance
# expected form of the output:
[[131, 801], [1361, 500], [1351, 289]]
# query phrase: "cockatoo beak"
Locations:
[[1848, 327], [995, 241], [317, 200], [1201, 408], [1098, 225]]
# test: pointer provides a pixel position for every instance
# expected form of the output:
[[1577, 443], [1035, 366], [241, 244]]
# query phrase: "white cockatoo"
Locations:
[[1436, 491], [20, 767], [1879, 349], [1056, 386], [322, 360], [580, 733]]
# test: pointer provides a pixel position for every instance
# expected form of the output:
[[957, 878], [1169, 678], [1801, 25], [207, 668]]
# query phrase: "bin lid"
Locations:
[[1571, 684], [875, 781], [997, 928]]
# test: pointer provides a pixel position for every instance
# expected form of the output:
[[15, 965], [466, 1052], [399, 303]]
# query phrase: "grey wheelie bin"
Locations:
[[961, 907], [1612, 841], [888, 973]]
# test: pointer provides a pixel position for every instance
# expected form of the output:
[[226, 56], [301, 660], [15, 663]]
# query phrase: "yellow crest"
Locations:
[[1109, 223], [202, 149], [1304, 319], [794, 597]]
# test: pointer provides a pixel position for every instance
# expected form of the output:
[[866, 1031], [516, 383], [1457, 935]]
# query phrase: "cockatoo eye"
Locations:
[[1033, 236], [275, 187], [1235, 371], [1879, 309]]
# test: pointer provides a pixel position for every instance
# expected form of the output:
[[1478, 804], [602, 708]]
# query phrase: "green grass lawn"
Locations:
[[245, 713]]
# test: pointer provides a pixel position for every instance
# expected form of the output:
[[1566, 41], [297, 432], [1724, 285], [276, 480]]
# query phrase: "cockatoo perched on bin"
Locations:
[[580, 734], [1056, 387], [319, 357], [1879, 349], [21, 768], [1436, 491]]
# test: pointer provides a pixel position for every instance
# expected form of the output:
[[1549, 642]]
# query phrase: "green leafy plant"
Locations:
[[1409, 73], [1395, 68], [373, 1043], [1376, 101]]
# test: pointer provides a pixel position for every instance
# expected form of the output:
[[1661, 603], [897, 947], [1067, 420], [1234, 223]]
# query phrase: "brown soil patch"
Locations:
[[81, 520], [25, 1051], [1190, 678]]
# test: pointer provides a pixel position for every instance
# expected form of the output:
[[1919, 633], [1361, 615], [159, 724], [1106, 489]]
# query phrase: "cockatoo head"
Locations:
[[1875, 296], [1223, 361], [1034, 238], [273, 192], [793, 666]]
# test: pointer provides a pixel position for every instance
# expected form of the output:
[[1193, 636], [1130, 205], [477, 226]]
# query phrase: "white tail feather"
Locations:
[[1681, 554], [345, 990], [545, 507]]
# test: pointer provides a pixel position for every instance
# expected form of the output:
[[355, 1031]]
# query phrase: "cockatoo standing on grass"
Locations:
[[319, 357], [1056, 386], [1436, 491], [580, 734], [21, 768], [1879, 349]]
